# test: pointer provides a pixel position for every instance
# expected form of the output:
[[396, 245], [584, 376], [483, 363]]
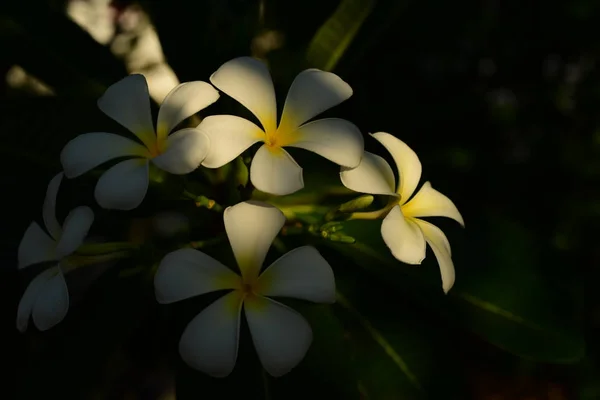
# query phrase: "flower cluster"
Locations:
[[280, 335]]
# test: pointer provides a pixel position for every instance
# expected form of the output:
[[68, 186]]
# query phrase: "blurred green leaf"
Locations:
[[504, 292], [333, 38]]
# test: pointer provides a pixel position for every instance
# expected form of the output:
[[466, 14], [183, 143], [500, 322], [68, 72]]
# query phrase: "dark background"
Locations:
[[500, 99]]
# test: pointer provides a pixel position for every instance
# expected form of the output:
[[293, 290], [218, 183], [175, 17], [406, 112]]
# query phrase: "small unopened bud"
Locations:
[[335, 237]]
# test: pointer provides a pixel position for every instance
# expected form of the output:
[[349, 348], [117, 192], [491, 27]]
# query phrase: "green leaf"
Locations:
[[335, 35], [505, 291]]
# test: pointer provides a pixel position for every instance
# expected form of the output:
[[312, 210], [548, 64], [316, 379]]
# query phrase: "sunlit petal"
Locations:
[[182, 102], [302, 274], [30, 295], [336, 139], [281, 335], [274, 171], [229, 137], [75, 229], [124, 186], [403, 237], [441, 248], [49, 210], [373, 175], [210, 341], [251, 227], [312, 92], [128, 103], [51, 303], [89, 150], [36, 247], [186, 273], [248, 81], [428, 202], [407, 162], [185, 151]]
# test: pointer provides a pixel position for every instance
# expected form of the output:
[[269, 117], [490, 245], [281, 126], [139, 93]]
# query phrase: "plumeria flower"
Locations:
[[273, 170], [281, 335], [402, 230], [124, 185], [46, 298]]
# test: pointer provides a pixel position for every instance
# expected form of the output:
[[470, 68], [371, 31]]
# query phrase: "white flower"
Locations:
[[281, 335], [404, 233], [124, 185], [273, 170], [46, 298]]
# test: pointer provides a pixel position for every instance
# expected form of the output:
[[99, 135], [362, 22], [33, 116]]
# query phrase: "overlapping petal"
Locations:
[[428, 202], [186, 273], [30, 296], [403, 237], [75, 229], [336, 139], [36, 247], [51, 303], [248, 81], [373, 175], [124, 186], [441, 248], [89, 150], [302, 274], [251, 227], [184, 152], [49, 209], [274, 171]]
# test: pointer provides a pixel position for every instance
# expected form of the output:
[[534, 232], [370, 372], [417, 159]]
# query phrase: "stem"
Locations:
[[203, 201], [77, 261], [93, 249], [200, 244]]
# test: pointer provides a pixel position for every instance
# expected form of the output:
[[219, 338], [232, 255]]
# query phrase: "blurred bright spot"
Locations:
[[18, 78]]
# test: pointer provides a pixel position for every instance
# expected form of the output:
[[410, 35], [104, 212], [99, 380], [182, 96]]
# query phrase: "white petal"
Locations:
[[185, 151], [36, 247], [251, 227], [428, 202], [312, 92], [30, 295], [274, 171], [336, 139], [124, 186], [403, 237], [407, 162], [302, 274], [182, 102], [210, 341], [281, 335], [229, 137], [89, 150], [76, 227], [128, 103], [373, 175], [441, 248], [52, 302], [186, 273], [248, 81], [49, 210]]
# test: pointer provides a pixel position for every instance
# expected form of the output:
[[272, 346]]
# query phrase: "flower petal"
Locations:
[[36, 247], [428, 202], [52, 302], [281, 335], [403, 237], [407, 162], [249, 82], [49, 210], [274, 171], [76, 227], [251, 227], [185, 151], [302, 274], [30, 295], [210, 341], [124, 186], [312, 92], [128, 103], [335, 139], [186, 273], [182, 102], [373, 175], [441, 248], [89, 150], [229, 137]]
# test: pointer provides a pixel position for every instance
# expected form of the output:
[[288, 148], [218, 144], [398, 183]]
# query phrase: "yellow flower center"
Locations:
[[281, 137]]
